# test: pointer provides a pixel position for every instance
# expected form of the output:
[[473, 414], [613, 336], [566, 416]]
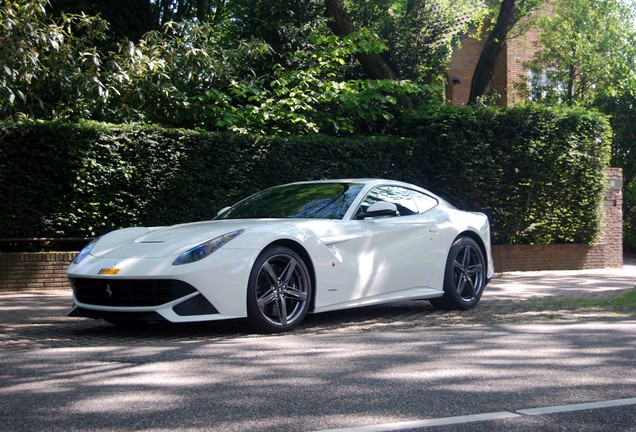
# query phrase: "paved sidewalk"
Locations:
[[520, 285], [39, 306], [34, 306]]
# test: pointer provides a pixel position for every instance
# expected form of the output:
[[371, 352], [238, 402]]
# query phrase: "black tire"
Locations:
[[279, 291], [464, 277]]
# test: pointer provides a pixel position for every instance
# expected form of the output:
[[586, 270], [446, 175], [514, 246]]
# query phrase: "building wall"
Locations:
[[508, 72], [460, 72], [520, 50]]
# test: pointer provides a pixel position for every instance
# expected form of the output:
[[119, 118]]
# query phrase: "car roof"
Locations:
[[366, 181]]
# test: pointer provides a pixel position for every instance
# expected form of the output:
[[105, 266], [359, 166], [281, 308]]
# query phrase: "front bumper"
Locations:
[[140, 300]]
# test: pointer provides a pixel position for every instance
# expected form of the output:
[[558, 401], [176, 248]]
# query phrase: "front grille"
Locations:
[[129, 292]]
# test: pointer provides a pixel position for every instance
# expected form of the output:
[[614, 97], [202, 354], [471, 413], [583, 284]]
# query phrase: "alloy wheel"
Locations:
[[468, 271], [282, 290]]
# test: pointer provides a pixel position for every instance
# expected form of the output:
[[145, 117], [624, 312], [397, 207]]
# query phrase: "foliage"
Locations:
[[420, 34], [285, 25], [629, 214], [179, 77], [619, 102], [583, 46], [621, 109], [588, 58], [183, 77], [190, 75], [49, 69], [89, 178], [131, 19]]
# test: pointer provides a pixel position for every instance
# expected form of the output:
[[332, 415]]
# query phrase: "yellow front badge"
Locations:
[[109, 271]]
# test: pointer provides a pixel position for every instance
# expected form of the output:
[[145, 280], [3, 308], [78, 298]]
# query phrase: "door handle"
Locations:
[[433, 229]]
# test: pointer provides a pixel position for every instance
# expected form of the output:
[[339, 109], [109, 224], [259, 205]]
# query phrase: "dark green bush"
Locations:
[[536, 172], [629, 215], [621, 110]]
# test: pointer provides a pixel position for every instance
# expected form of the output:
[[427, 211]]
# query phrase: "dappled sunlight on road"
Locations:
[[264, 383]]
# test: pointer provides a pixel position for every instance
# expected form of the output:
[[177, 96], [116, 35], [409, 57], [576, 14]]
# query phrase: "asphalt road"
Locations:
[[398, 367]]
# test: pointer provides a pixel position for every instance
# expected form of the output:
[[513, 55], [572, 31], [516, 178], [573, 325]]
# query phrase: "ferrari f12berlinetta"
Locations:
[[287, 251]]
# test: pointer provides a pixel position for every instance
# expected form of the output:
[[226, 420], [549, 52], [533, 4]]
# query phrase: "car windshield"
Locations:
[[304, 200]]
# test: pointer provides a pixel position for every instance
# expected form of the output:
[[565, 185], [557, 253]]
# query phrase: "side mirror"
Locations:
[[379, 209], [223, 210]]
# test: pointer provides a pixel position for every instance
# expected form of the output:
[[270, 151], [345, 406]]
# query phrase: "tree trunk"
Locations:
[[485, 69], [373, 64]]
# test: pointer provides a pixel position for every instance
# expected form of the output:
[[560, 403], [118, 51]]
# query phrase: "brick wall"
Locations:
[[612, 236], [460, 70], [464, 60], [519, 49], [553, 257], [34, 271]]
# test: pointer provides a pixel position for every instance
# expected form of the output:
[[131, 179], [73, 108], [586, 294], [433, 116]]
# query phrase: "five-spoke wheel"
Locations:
[[279, 291], [465, 276]]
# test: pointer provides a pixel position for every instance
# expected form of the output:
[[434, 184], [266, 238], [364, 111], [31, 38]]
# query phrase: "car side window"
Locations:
[[399, 196], [424, 202]]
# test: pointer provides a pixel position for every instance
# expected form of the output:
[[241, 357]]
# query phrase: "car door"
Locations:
[[399, 252]]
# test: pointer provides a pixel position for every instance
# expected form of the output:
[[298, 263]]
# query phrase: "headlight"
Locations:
[[204, 249], [85, 251]]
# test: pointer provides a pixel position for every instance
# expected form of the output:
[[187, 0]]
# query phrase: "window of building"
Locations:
[[543, 84]]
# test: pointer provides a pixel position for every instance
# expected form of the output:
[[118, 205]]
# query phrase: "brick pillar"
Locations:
[[612, 236]]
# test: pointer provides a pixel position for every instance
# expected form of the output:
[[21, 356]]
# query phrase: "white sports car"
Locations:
[[287, 251]]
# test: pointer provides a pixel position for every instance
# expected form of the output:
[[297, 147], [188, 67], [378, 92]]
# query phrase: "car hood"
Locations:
[[159, 242]]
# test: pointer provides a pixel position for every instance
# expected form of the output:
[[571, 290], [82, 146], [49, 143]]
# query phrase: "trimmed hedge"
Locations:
[[537, 172]]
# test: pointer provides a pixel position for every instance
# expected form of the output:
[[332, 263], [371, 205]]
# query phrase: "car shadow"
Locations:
[[60, 331]]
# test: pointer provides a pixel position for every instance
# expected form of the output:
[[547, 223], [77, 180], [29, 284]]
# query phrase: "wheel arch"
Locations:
[[300, 250]]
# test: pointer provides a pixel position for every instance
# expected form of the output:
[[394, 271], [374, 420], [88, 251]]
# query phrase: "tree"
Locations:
[[190, 74], [341, 24], [128, 19], [588, 55], [420, 34], [373, 63], [50, 69], [583, 46], [131, 19], [509, 13], [258, 66]]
